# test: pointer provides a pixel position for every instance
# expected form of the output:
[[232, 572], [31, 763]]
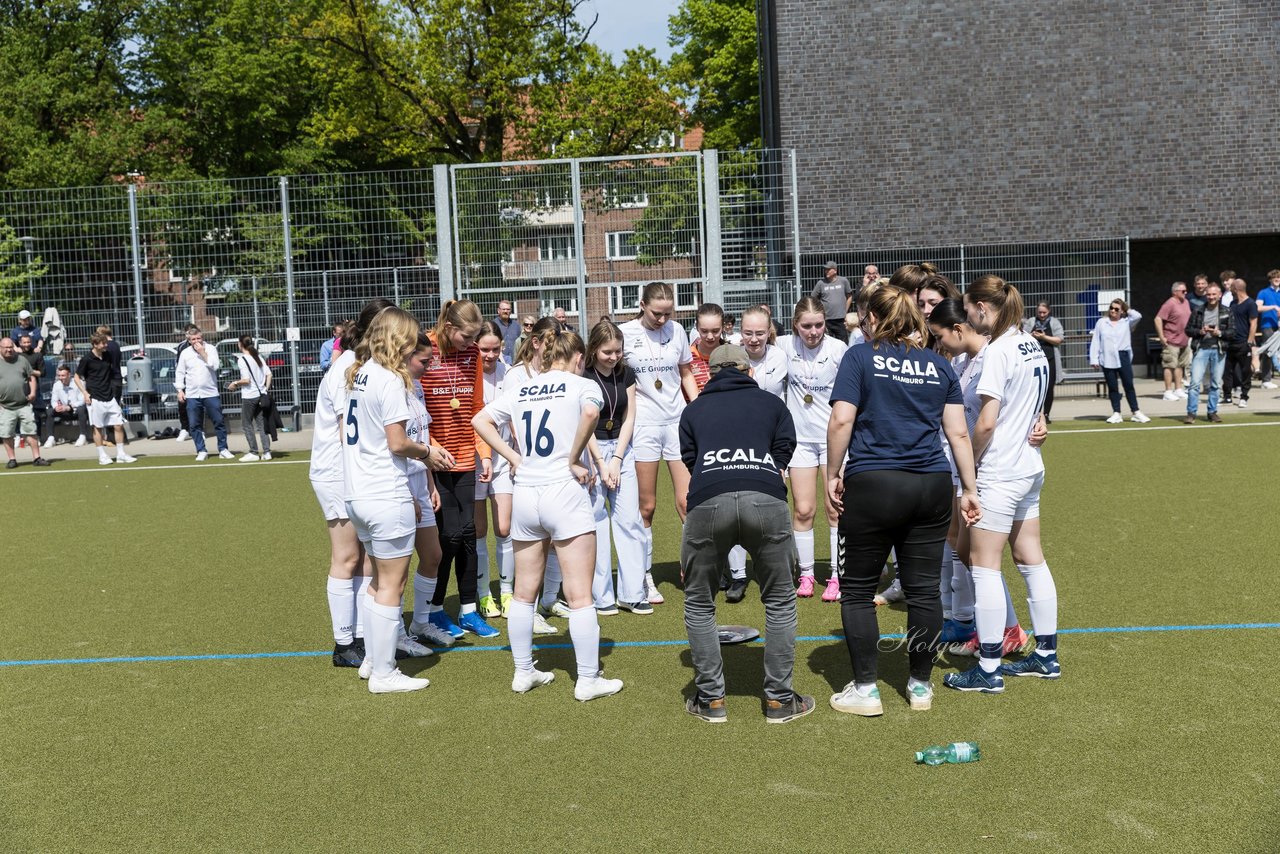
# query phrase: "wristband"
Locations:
[[618, 458]]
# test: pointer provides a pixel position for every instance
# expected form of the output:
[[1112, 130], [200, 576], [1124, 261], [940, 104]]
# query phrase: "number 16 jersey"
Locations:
[[544, 412], [1016, 373]]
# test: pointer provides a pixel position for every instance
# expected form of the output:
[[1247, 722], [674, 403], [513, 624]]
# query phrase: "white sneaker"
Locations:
[[559, 608], [590, 689], [1242, 403], [525, 681], [431, 633], [202, 456], [1115, 418], [542, 627], [1139, 417], [366, 668], [250, 458], [851, 701], [80, 441], [409, 646], [1269, 385], [122, 457], [226, 455], [48, 443], [1169, 394], [395, 683], [1181, 393], [652, 593], [104, 460], [267, 455], [183, 435], [892, 593]]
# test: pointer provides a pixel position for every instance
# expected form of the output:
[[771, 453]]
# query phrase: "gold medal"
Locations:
[[657, 384], [608, 425], [808, 398], [454, 403]]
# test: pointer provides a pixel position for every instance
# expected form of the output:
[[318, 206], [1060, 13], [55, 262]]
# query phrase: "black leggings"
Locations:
[[456, 522], [1053, 381], [910, 513]]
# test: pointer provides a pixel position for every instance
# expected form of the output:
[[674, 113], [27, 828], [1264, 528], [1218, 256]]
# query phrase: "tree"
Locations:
[[17, 270], [718, 64]]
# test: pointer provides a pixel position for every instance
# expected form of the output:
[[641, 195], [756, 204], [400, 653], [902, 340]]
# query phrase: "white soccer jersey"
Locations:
[[493, 381], [811, 374], [543, 414], [417, 428], [331, 408], [656, 356], [369, 468], [969, 372], [1016, 373], [770, 373], [516, 374]]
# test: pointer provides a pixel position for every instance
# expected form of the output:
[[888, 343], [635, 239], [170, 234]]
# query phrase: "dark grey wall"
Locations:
[[920, 122]]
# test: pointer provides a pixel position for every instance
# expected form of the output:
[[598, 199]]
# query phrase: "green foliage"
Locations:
[[718, 63], [17, 270]]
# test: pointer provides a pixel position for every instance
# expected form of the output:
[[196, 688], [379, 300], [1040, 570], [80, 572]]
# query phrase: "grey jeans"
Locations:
[[762, 525]]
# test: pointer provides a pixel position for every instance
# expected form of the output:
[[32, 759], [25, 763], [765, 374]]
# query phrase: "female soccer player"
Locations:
[[553, 416], [891, 398], [1012, 388], [813, 358], [710, 326], [497, 490], [657, 349], [613, 434], [453, 385], [768, 363], [376, 454]]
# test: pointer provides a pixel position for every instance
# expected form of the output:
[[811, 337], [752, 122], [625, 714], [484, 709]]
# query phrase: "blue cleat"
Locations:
[[956, 631], [975, 679], [1041, 666], [441, 621], [475, 624]]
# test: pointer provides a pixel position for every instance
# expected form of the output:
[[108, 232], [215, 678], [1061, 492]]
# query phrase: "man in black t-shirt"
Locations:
[[96, 376], [1239, 358]]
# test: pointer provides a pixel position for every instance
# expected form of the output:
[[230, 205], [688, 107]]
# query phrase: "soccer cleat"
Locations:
[[526, 680], [1169, 394], [1115, 418], [804, 590], [559, 608], [1139, 418], [347, 655], [366, 668], [441, 621], [607, 610], [921, 696], [227, 455], [1041, 666], [488, 608], [266, 455], [851, 701], [832, 593], [782, 711], [81, 441], [48, 443], [892, 593], [39, 461], [504, 604], [711, 711], [183, 436], [542, 627], [125, 458], [104, 460], [395, 683], [642, 608], [957, 632], [651, 590], [1016, 641], [475, 624], [408, 646], [250, 458], [202, 456], [975, 679], [13, 464], [431, 633], [736, 591], [595, 687]]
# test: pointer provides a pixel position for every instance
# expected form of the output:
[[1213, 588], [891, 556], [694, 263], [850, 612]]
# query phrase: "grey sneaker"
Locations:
[[781, 711], [711, 711]]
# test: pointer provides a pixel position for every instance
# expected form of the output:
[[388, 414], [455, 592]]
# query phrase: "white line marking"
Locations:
[[1161, 427], [131, 467]]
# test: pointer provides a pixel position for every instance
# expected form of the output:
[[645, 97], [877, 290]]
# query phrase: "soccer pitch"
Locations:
[[1160, 736]]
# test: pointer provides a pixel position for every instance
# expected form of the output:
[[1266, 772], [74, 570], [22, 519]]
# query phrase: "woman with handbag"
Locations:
[[254, 385]]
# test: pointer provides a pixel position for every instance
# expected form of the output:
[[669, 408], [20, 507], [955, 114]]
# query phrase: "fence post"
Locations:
[[257, 319], [293, 313], [135, 246], [795, 224], [324, 290], [395, 284], [962, 273], [713, 286], [1128, 294], [444, 232], [579, 247]]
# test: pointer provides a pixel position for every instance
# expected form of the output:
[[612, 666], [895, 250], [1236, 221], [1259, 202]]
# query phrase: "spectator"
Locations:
[[728, 332], [67, 402], [509, 329], [526, 329], [870, 275], [26, 350], [117, 362], [17, 389], [332, 347], [254, 383], [95, 378], [1111, 349], [558, 314], [1228, 295], [53, 335], [1048, 332], [1239, 360], [737, 421], [1208, 328], [1171, 329], [188, 331], [1269, 322], [27, 326], [837, 295], [70, 360], [196, 379], [1199, 287]]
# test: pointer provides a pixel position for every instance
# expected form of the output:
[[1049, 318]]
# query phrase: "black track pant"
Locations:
[[908, 512], [456, 522]]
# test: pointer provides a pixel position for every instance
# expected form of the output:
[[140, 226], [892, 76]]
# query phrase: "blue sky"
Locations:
[[630, 23]]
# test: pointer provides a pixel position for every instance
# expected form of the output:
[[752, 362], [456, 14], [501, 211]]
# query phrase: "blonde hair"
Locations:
[[391, 336], [460, 314], [761, 311], [562, 346], [910, 277], [1000, 296], [898, 318], [544, 330]]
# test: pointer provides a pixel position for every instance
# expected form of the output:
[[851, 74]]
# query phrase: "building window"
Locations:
[[555, 247], [619, 245]]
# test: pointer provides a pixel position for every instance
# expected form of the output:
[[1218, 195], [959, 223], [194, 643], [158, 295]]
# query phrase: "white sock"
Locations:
[[804, 545], [482, 568], [520, 634], [1010, 616], [961, 591], [423, 589], [506, 564], [551, 580], [834, 537], [467, 609], [738, 562], [342, 608], [1042, 598], [944, 582], [360, 584], [380, 635], [989, 613], [648, 549], [584, 630]]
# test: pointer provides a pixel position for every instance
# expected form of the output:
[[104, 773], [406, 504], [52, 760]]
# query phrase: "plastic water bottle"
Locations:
[[955, 753]]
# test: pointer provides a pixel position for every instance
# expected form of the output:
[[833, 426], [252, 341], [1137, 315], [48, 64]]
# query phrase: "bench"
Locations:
[[1095, 377]]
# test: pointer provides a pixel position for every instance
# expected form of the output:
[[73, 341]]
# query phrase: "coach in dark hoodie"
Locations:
[[736, 440]]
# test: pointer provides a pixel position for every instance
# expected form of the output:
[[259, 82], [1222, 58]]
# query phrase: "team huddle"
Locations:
[[923, 435]]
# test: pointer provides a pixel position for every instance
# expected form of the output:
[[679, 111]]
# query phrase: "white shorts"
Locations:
[[105, 413], [556, 511], [418, 488], [500, 483], [329, 494], [808, 455], [652, 443], [385, 526], [1008, 501]]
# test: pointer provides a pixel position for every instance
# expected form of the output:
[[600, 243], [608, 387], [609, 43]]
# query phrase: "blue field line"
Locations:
[[239, 656]]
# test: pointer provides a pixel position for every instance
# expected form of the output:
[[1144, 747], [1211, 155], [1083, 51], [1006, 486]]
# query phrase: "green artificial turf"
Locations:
[[1159, 741]]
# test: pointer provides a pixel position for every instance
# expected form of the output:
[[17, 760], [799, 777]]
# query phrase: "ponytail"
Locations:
[[460, 314], [1001, 297], [898, 318], [562, 346]]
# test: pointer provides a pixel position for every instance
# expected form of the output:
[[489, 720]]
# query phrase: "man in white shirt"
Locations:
[[196, 379], [67, 402]]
